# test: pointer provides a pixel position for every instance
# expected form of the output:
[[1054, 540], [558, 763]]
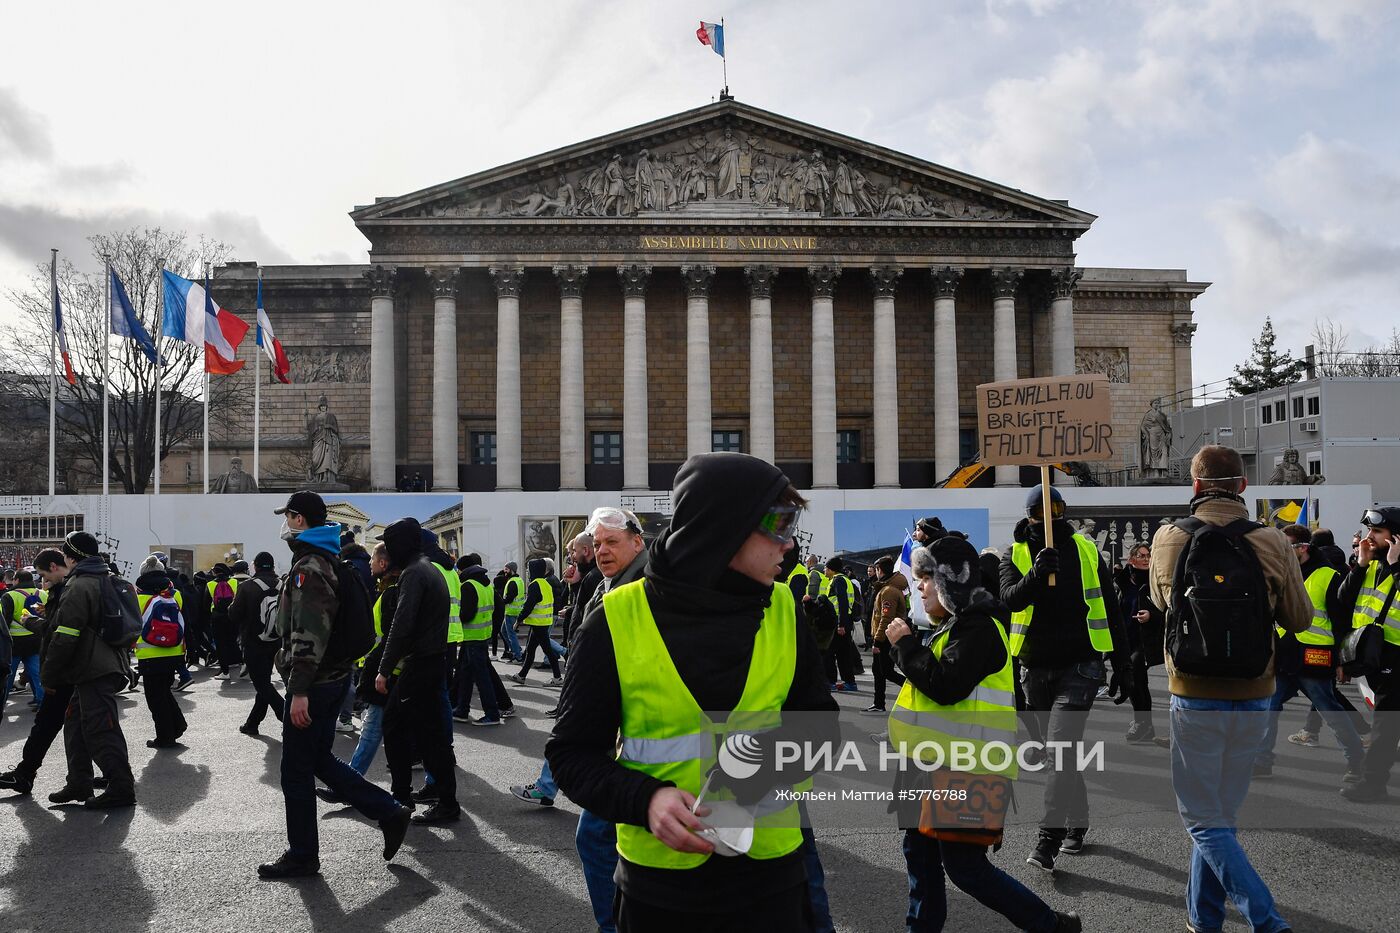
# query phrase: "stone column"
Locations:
[[509, 280], [635, 453], [885, 377], [1062, 320], [698, 439], [445, 422], [571, 377], [1182, 332], [823, 280], [947, 419], [1004, 282], [382, 454], [762, 442]]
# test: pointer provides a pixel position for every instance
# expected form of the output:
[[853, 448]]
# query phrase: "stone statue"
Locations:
[[614, 195], [895, 203], [235, 480], [1155, 441], [323, 433], [537, 204], [860, 192], [1291, 473], [764, 189], [664, 179], [843, 199], [693, 182], [728, 180], [644, 181], [816, 188]]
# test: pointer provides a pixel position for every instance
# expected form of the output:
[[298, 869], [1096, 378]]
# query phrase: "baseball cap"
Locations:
[[307, 504]]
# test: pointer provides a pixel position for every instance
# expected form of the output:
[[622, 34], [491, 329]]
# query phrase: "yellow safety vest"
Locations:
[[1096, 619], [454, 594], [379, 626], [925, 730], [517, 602], [17, 627], [829, 592], [231, 581], [799, 571], [1372, 600], [543, 613], [1320, 631], [144, 650], [667, 735], [479, 628]]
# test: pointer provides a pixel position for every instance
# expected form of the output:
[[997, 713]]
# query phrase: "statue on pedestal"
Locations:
[[1291, 473], [323, 433], [235, 480], [1155, 442]]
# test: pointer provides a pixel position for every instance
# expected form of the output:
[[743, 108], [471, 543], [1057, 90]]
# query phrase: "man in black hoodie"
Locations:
[[1061, 635], [703, 620], [475, 672], [258, 652], [413, 673], [538, 616]]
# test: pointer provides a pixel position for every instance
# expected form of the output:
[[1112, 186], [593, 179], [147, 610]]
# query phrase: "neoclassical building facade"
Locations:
[[724, 278]]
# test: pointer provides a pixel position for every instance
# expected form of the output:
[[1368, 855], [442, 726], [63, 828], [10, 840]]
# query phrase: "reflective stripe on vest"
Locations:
[[17, 626], [1372, 600], [1320, 631], [543, 612], [143, 650], [479, 628], [1096, 619], [454, 595], [988, 714], [667, 735], [515, 604]]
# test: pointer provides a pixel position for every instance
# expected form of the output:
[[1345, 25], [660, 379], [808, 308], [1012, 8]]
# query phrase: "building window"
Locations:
[[967, 445], [483, 448], [1297, 407], [848, 447], [1314, 406], [1266, 414], [730, 441], [1280, 410], [607, 447], [1314, 464]]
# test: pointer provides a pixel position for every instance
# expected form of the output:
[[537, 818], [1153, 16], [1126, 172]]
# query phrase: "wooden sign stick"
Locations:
[[1045, 513]]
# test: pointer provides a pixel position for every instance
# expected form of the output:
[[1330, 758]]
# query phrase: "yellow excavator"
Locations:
[[966, 476]]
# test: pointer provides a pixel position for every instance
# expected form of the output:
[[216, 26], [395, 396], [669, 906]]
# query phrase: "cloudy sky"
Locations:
[[1252, 142]]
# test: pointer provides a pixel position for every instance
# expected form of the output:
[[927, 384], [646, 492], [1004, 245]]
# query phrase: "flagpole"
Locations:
[[53, 372], [206, 383], [106, 382], [257, 384], [724, 61], [160, 367]]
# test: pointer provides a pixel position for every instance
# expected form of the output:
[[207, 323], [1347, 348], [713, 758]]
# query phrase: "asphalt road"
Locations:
[[184, 858]]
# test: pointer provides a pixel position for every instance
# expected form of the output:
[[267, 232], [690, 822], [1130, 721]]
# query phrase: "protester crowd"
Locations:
[[659, 646]]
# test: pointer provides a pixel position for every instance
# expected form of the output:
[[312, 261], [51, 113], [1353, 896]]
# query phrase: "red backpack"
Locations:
[[162, 625]]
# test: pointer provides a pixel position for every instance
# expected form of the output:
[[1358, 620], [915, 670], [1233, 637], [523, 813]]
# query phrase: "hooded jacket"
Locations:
[[419, 629], [246, 611], [356, 556], [74, 652], [1059, 634], [708, 616], [1347, 595], [538, 570], [890, 602], [306, 610]]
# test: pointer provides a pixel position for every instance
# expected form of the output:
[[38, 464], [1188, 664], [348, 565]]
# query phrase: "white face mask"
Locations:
[[287, 534]]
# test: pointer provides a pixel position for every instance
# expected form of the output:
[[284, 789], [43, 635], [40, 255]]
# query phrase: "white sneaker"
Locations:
[[347, 728], [1305, 738], [556, 682]]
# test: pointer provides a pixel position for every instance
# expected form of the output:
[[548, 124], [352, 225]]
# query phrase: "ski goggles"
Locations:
[[1057, 510], [780, 523], [1377, 518], [616, 519]]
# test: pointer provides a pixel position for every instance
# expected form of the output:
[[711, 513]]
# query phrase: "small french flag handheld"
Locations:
[[711, 34]]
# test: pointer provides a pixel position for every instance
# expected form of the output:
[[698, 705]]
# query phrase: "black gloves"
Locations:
[[1046, 563], [1120, 683]]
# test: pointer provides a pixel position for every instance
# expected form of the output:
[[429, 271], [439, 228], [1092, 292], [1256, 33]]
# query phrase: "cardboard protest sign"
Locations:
[[1050, 420]]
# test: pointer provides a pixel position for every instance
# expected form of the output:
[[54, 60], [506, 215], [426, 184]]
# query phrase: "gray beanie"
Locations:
[[152, 564]]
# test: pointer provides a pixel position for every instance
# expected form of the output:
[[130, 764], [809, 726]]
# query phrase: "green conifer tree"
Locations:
[[1266, 368]]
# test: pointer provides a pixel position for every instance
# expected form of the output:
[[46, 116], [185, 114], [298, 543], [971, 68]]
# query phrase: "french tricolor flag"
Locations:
[[193, 316], [711, 34], [270, 344], [58, 330]]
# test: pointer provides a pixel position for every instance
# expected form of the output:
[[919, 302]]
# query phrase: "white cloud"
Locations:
[[1234, 21]]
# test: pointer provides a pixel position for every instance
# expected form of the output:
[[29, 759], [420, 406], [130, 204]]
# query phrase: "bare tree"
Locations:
[[1335, 359], [137, 256]]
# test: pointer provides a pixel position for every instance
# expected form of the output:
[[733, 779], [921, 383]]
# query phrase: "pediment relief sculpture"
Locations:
[[724, 171]]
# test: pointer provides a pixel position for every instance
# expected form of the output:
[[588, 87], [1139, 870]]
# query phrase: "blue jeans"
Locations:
[[927, 860], [816, 880], [1325, 700], [31, 670], [307, 755], [596, 840], [1214, 746], [545, 783], [371, 736], [508, 633]]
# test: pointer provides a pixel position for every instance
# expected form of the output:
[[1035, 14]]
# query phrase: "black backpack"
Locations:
[[352, 632], [1219, 623]]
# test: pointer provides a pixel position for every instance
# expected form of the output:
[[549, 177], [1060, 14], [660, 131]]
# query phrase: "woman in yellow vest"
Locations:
[[959, 690], [664, 663], [1370, 593]]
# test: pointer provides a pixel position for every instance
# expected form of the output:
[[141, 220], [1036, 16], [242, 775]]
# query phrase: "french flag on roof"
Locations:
[[711, 34], [193, 316], [270, 344], [58, 330]]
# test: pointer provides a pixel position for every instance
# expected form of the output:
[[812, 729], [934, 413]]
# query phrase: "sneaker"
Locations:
[[879, 738], [552, 713], [394, 828], [70, 794], [16, 780], [529, 794], [518, 678], [345, 727], [508, 712], [1353, 776], [1073, 843], [288, 867], [833, 688], [1103, 693], [427, 794], [440, 812], [184, 683], [462, 717], [111, 799], [874, 708], [555, 682], [248, 729], [1305, 738], [488, 721], [163, 743], [1043, 855], [1263, 772], [1141, 733], [1365, 792], [1068, 923]]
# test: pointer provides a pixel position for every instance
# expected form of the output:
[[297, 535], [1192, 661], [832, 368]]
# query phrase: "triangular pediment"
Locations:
[[724, 160]]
